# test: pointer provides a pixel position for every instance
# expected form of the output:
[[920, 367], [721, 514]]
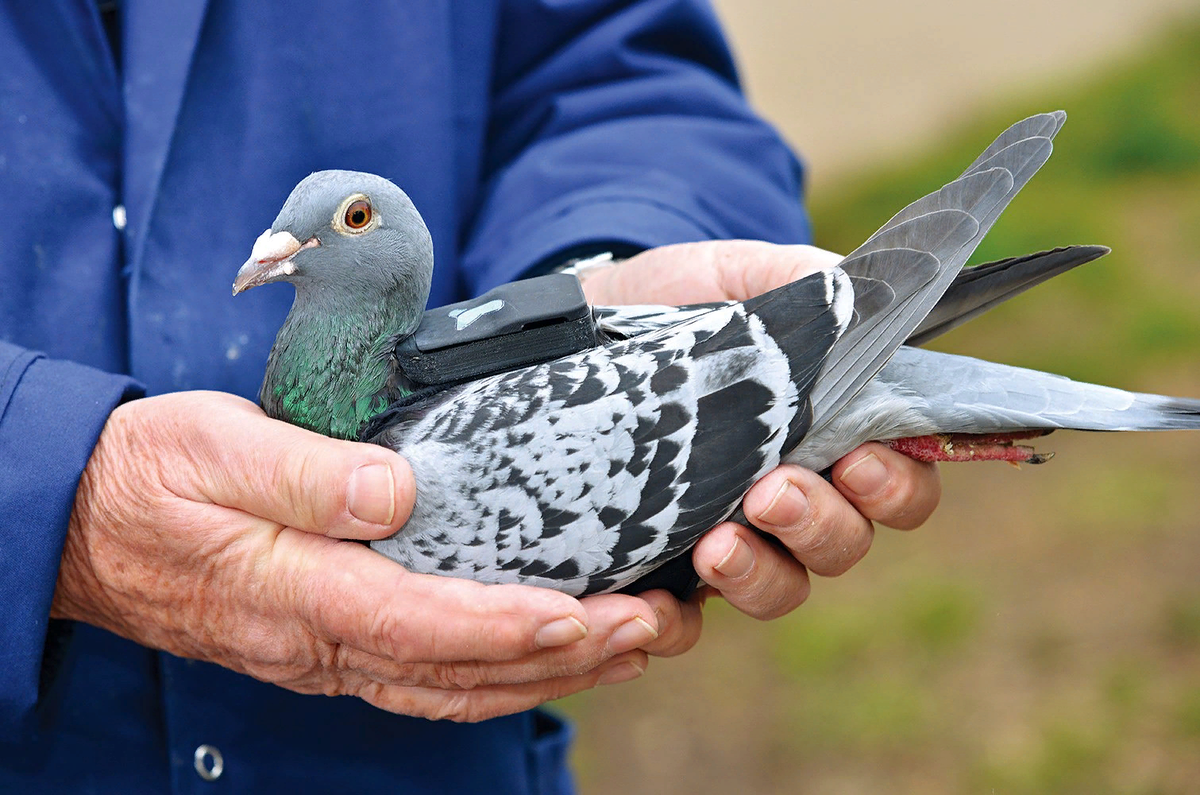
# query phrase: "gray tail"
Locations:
[[959, 394], [978, 289], [902, 271], [1164, 413]]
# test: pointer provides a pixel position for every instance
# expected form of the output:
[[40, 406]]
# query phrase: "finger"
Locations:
[[612, 633], [355, 597], [291, 476], [483, 703], [627, 622], [753, 575], [750, 268], [352, 596], [889, 487], [812, 519], [679, 624], [713, 270]]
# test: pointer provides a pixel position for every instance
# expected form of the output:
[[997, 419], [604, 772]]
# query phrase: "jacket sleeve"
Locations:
[[51, 413], [622, 123]]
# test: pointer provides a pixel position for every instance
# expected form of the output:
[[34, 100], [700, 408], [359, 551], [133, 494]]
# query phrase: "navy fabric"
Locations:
[[522, 129]]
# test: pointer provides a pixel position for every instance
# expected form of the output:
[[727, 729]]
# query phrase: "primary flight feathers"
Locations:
[[589, 472]]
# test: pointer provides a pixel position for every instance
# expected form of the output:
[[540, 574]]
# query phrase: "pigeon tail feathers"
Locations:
[[979, 288], [980, 194]]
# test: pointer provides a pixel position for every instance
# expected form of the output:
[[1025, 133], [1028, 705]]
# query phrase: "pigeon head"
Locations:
[[361, 261], [345, 234]]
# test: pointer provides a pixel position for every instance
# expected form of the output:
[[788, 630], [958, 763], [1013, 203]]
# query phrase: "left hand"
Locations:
[[823, 528]]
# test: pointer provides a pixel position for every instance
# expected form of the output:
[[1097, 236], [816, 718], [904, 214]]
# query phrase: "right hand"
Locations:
[[821, 527], [203, 528]]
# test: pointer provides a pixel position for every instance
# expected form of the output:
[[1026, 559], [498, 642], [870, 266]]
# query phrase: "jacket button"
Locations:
[[208, 762], [119, 217]]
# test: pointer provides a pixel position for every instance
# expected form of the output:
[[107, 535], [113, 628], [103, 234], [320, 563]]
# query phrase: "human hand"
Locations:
[[823, 528], [205, 529]]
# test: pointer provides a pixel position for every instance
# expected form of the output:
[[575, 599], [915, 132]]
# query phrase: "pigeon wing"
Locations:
[[585, 473]]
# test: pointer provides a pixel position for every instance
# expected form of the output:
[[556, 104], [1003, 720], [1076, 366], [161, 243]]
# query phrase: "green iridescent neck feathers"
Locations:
[[361, 260]]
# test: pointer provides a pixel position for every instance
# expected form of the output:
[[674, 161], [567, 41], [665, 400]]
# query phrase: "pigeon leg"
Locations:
[[972, 447]]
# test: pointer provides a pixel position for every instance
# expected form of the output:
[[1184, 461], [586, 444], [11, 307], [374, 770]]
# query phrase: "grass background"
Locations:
[[1042, 633]]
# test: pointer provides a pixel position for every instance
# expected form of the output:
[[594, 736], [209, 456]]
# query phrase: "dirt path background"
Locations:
[[857, 81]]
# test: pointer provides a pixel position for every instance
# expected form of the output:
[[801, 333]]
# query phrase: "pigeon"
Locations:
[[597, 471]]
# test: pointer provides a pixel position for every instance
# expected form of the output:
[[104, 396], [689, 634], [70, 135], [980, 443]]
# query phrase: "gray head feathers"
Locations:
[[346, 234]]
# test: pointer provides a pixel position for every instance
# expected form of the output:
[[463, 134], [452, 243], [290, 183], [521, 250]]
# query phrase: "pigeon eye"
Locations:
[[358, 214]]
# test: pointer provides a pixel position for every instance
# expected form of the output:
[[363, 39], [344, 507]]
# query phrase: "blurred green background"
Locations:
[[1042, 633]]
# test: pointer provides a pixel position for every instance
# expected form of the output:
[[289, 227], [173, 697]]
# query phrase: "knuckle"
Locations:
[[839, 538], [682, 634], [671, 627], [780, 586], [465, 675], [911, 499], [493, 640], [389, 630], [780, 599], [456, 706], [818, 534], [840, 558], [824, 528], [460, 707], [670, 618], [406, 674], [808, 260], [334, 686], [327, 681], [507, 638], [336, 656], [300, 482]]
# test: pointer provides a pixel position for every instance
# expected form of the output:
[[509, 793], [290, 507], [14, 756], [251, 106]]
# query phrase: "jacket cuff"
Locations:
[[51, 414]]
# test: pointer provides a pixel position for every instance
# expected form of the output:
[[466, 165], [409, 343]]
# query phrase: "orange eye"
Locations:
[[358, 214]]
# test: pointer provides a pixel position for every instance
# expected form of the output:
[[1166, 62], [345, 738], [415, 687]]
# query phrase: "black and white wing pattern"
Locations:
[[585, 473], [624, 322]]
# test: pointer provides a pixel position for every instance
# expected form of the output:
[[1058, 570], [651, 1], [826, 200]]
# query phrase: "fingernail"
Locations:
[[561, 632], [633, 634], [866, 476], [371, 496], [621, 672], [788, 508], [737, 561]]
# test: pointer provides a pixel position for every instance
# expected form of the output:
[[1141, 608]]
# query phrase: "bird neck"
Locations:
[[331, 369]]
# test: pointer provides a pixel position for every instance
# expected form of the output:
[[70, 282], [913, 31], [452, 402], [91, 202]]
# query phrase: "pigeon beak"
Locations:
[[270, 259]]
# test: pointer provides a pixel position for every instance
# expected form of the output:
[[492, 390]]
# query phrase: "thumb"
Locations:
[[285, 474], [765, 267]]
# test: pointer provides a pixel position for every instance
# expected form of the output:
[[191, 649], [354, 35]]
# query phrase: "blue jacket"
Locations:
[[522, 130]]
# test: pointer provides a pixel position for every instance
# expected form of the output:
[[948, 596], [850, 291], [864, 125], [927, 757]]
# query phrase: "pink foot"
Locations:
[[972, 447]]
